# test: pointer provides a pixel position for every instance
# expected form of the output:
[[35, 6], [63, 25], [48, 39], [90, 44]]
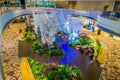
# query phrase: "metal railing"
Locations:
[[8, 9], [114, 15], [11, 7]]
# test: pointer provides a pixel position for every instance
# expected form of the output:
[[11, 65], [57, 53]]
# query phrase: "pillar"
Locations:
[[72, 4], [23, 4], [28, 21]]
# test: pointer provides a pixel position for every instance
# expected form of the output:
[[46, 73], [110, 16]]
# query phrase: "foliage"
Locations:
[[55, 50], [85, 40], [53, 71], [37, 47], [38, 36], [95, 44], [80, 41], [29, 36]]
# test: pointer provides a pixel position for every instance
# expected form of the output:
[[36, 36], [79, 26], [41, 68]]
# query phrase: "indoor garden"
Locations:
[[54, 45], [56, 42]]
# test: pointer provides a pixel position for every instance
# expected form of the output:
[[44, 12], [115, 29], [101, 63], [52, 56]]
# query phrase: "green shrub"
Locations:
[[37, 47], [55, 50], [53, 71], [96, 45], [29, 36]]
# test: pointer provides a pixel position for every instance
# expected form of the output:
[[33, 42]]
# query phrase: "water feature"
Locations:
[[47, 25], [73, 27], [50, 22]]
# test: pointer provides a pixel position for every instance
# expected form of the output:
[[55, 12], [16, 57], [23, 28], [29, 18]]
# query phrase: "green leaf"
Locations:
[[59, 69], [37, 47], [50, 72], [63, 77], [39, 77], [52, 75]]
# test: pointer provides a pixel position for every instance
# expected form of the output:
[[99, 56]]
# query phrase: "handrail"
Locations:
[[109, 25], [113, 15]]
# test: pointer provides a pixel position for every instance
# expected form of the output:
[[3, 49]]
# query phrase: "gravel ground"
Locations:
[[111, 70], [11, 64]]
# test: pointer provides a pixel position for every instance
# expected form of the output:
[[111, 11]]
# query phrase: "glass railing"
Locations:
[[111, 15], [8, 8]]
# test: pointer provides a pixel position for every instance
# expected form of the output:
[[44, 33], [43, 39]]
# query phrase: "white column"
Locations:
[[28, 20]]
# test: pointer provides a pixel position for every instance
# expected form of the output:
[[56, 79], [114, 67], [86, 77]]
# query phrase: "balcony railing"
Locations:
[[111, 15], [12, 6]]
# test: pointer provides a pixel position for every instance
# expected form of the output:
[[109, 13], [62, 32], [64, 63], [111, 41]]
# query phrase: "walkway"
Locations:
[[11, 64]]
